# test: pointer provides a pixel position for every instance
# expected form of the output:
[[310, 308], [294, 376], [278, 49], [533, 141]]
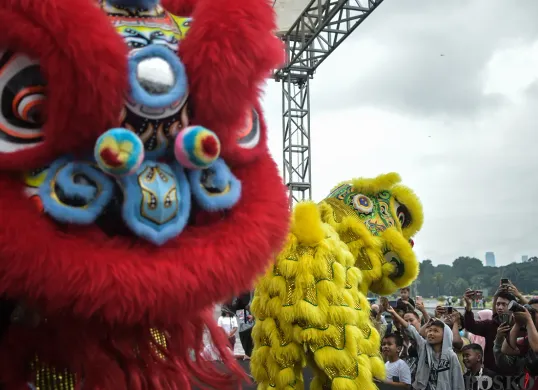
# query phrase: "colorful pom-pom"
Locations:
[[196, 147], [119, 152]]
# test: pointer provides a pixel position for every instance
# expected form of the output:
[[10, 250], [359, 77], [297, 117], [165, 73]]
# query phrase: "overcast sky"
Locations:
[[446, 94]]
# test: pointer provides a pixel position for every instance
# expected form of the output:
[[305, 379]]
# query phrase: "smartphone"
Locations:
[[505, 318], [448, 309], [419, 299], [504, 281], [396, 379]]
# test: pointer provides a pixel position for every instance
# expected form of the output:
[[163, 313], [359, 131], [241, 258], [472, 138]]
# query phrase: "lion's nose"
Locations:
[[157, 77]]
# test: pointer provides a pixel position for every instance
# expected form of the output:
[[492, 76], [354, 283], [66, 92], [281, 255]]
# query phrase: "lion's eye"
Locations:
[[22, 101], [250, 133], [362, 204], [403, 215], [28, 105]]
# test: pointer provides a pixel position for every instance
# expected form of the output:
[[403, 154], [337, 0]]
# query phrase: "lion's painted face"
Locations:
[[171, 227], [155, 122], [156, 201], [376, 219]]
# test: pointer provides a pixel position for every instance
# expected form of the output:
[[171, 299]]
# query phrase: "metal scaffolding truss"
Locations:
[[296, 150], [317, 32]]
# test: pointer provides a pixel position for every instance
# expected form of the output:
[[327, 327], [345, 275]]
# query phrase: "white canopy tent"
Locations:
[[287, 12]]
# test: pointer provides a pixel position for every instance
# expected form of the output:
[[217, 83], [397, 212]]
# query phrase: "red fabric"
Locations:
[[83, 60], [101, 295], [225, 87], [523, 345]]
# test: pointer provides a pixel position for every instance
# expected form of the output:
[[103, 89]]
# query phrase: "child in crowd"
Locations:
[[398, 373], [410, 355], [405, 303], [477, 376], [438, 366]]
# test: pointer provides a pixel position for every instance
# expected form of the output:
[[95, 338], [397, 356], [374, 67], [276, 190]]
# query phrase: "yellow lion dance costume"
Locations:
[[311, 306]]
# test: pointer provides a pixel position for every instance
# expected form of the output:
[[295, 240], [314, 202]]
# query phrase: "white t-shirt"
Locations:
[[227, 323], [400, 369]]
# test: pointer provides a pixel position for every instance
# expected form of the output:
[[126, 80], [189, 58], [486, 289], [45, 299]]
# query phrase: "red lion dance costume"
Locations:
[[136, 188]]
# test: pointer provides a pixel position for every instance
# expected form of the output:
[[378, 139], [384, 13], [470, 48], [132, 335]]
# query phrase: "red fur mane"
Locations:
[[101, 295]]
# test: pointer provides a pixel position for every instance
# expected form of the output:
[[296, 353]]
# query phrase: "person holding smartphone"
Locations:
[[522, 340], [508, 287], [512, 365], [487, 328], [438, 366]]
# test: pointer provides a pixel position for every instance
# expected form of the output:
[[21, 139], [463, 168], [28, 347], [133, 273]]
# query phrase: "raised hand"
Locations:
[[502, 331], [512, 289], [439, 311], [523, 318], [384, 303], [468, 297]]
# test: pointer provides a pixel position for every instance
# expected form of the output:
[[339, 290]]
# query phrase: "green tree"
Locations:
[[456, 287], [437, 280], [467, 266], [468, 272], [477, 282], [427, 270]]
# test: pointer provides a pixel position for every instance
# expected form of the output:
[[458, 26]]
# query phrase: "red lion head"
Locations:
[[136, 187]]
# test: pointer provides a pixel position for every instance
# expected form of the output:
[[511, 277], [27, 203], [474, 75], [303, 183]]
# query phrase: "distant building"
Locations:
[[524, 258], [490, 259]]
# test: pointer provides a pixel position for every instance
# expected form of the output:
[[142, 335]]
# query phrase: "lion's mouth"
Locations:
[[112, 224], [399, 268], [156, 127], [111, 221], [157, 203], [393, 258]]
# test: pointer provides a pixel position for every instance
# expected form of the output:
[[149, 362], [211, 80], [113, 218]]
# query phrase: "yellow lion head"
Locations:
[[376, 218]]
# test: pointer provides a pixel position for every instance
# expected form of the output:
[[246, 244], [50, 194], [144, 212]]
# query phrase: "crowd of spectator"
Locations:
[[452, 349], [448, 349]]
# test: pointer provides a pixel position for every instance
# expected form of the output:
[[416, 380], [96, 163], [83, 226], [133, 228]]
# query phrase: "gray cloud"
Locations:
[[532, 91], [459, 128], [420, 49]]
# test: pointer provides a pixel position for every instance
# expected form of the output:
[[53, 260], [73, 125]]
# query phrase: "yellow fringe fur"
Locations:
[[310, 306]]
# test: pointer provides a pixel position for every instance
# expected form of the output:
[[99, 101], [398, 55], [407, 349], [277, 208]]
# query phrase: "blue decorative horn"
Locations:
[[145, 4]]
